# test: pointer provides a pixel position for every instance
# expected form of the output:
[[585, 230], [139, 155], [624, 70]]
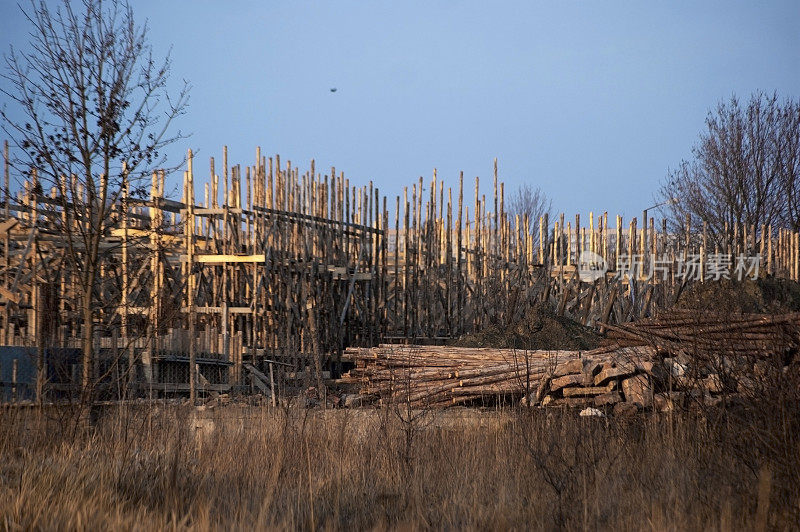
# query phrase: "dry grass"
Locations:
[[243, 468]]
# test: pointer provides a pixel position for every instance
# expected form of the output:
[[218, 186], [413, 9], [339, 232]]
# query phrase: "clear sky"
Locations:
[[591, 101]]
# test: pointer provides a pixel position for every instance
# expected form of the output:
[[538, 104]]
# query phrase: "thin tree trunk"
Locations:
[[88, 344]]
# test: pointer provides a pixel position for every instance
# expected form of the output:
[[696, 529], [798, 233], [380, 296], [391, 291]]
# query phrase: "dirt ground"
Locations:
[[767, 296], [541, 328]]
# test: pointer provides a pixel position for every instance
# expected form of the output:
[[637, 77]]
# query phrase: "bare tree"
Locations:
[[789, 163], [745, 168], [533, 203], [96, 119]]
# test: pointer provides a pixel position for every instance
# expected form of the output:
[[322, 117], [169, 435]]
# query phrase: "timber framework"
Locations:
[[264, 267]]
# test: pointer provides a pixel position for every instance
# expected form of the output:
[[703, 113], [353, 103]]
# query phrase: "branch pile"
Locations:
[[712, 335]]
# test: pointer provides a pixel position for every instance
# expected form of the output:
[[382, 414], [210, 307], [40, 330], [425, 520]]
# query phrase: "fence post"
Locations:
[[14, 369]]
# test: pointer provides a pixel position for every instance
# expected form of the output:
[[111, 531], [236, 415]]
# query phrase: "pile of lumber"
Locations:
[[431, 376], [439, 376], [660, 363]]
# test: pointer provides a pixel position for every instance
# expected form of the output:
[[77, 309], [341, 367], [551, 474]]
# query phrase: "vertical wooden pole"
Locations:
[[770, 260], [653, 241], [493, 248], [688, 231], [703, 252], [14, 370], [632, 243], [396, 306], [546, 235], [36, 295], [761, 250], [383, 278], [618, 243], [272, 385], [6, 179], [155, 268], [478, 259], [569, 244], [7, 248], [556, 242], [541, 238], [190, 290], [459, 264], [406, 263], [643, 241]]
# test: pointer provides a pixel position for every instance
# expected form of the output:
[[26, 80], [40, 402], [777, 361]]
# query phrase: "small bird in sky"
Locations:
[[333, 89]]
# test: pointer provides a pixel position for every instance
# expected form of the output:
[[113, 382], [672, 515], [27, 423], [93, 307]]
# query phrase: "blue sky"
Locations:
[[591, 101]]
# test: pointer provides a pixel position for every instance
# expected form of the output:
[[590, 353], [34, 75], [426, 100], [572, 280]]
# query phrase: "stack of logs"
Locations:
[[669, 362]]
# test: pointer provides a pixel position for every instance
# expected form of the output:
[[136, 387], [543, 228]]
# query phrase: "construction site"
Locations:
[[269, 279], [551, 283]]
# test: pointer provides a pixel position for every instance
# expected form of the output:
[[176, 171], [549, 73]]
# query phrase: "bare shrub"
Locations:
[[531, 202]]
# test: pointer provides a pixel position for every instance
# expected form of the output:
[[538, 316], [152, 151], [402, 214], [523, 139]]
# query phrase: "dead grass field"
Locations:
[[174, 467]]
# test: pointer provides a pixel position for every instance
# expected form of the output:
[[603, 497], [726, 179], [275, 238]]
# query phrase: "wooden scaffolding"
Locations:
[[264, 262]]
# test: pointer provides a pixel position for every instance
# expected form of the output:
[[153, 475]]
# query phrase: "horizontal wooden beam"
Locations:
[[230, 258], [219, 310], [11, 296], [7, 225]]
